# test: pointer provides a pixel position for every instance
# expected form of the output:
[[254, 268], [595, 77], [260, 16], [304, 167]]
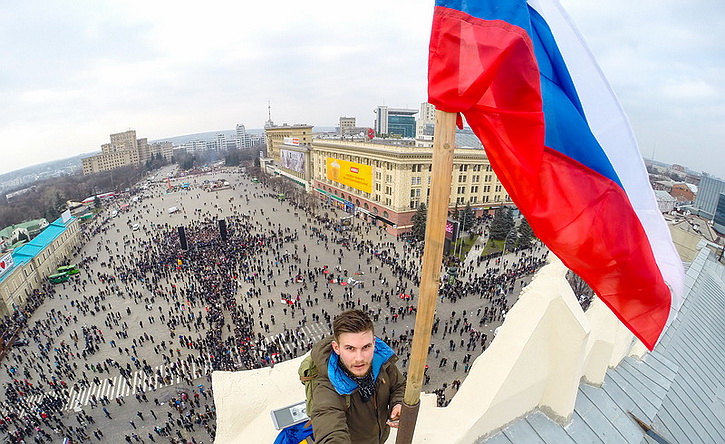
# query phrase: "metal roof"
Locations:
[[27, 252], [677, 389]]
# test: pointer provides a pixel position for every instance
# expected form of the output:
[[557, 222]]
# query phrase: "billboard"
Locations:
[[452, 230], [292, 141], [352, 174], [6, 264], [292, 160]]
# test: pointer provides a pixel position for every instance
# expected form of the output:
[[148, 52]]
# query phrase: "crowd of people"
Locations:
[[152, 312]]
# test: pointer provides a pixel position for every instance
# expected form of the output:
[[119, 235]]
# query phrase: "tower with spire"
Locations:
[[269, 123]]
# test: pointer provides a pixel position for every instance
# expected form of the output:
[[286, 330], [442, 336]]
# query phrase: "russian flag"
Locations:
[[562, 146]]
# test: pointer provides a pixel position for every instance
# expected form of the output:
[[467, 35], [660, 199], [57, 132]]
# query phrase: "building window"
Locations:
[[476, 177], [487, 178], [460, 200], [474, 199], [415, 180], [461, 190], [476, 168], [464, 167], [388, 190], [498, 188], [474, 189], [462, 178], [388, 178], [415, 192], [413, 204]]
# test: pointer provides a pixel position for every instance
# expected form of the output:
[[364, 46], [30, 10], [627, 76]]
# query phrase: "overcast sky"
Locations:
[[71, 73]]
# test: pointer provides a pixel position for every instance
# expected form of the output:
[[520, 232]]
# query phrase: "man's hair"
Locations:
[[352, 321]]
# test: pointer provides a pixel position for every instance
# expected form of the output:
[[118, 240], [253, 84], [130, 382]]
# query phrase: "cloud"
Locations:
[[74, 73], [665, 60]]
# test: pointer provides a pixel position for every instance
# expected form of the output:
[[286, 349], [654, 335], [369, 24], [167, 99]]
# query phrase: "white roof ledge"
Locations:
[[546, 347]]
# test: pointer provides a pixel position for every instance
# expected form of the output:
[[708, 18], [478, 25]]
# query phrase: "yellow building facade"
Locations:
[[400, 181], [289, 147], [35, 261], [275, 137]]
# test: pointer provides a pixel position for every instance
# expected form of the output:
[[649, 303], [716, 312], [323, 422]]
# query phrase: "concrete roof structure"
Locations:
[[553, 374], [677, 389], [664, 196]]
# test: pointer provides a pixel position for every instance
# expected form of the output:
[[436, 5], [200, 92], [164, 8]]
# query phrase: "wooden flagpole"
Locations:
[[440, 191]]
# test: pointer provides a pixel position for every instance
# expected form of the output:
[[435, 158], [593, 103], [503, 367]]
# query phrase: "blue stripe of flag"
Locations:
[[567, 130]]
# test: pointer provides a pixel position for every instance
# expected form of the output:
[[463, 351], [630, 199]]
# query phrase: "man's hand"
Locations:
[[394, 416]]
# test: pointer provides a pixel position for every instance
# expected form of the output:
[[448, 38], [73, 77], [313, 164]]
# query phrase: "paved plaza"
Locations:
[[123, 352]]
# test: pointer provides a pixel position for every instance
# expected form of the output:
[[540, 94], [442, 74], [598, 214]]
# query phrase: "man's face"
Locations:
[[356, 351]]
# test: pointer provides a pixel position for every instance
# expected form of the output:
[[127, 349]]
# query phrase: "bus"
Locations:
[[69, 269], [58, 278]]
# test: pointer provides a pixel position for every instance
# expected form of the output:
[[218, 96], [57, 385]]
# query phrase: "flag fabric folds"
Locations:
[[560, 143]]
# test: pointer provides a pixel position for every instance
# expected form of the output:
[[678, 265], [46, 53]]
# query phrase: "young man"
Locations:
[[358, 393]]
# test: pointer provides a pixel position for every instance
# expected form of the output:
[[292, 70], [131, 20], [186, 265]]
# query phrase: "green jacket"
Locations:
[[333, 422]]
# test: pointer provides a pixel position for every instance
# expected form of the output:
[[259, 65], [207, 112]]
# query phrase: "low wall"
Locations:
[[541, 354]]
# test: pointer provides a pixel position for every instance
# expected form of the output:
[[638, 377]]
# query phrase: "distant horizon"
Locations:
[[261, 130], [161, 139]]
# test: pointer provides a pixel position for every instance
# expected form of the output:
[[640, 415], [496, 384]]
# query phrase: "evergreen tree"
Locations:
[[510, 241], [419, 219], [526, 234], [97, 202], [501, 224]]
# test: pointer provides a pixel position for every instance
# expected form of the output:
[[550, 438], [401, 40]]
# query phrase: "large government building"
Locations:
[[124, 150], [28, 267], [380, 183]]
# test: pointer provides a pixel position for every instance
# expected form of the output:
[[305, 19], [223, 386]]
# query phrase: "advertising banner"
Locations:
[[292, 160], [352, 174], [6, 264], [452, 230]]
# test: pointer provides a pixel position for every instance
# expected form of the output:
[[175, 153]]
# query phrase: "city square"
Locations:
[[127, 346]]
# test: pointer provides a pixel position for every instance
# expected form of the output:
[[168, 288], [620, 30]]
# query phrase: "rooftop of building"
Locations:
[[402, 111], [383, 148], [535, 369], [664, 196], [30, 225], [287, 126], [30, 250], [677, 389]]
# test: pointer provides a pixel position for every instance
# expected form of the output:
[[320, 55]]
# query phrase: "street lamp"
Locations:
[[505, 241], [463, 225]]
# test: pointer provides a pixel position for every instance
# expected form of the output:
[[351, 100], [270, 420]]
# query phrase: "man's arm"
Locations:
[[329, 423]]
